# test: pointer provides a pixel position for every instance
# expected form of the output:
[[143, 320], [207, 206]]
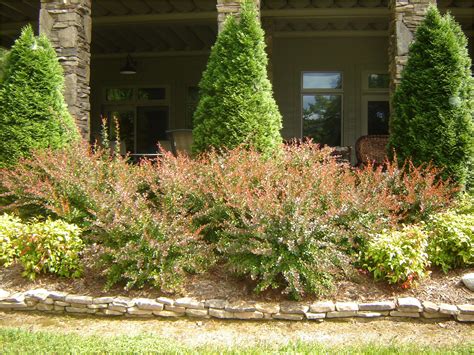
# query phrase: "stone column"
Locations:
[[230, 7], [405, 16], [67, 23]]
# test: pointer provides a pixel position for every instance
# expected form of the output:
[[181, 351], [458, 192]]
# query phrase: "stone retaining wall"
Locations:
[[42, 300]]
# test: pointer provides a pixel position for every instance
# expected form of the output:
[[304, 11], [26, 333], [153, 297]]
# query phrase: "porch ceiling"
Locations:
[[170, 26]]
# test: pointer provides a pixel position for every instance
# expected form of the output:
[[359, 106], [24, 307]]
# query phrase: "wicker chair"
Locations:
[[371, 148], [181, 140]]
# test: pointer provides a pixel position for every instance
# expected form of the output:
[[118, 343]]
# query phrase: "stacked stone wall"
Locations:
[[68, 25], [41, 300]]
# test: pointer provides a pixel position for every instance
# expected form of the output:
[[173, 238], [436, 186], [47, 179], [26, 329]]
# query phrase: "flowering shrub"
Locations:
[[397, 256], [287, 221]]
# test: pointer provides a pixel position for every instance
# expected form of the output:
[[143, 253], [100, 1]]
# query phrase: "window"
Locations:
[[322, 107], [143, 115]]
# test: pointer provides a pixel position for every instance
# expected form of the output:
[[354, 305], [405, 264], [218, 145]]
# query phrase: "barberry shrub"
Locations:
[[433, 106], [236, 105], [292, 222], [33, 113]]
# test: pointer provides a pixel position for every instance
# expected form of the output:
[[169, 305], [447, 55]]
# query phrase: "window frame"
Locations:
[[319, 91]]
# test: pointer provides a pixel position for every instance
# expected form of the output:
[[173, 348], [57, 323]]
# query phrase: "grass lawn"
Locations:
[[15, 340]]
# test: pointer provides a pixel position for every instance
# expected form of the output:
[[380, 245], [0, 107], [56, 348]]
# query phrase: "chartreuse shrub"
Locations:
[[236, 105], [11, 228], [433, 107], [397, 256], [451, 240], [33, 113], [41, 247]]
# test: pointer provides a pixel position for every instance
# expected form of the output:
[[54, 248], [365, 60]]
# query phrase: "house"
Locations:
[[333, 63]]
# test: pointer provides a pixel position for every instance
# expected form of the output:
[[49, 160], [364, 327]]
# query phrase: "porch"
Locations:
[[329, 63]]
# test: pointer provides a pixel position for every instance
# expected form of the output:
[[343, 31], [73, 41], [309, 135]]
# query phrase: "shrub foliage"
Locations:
[[291, 222], [41, 247], [236, 100], [33, 113], [432, 118]]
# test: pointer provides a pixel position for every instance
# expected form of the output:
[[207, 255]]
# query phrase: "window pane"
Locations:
[[152, 94], [322, 118], [378, 81], [125, 121], [119, 94], [152, 123], [322, 80], [378, 115]]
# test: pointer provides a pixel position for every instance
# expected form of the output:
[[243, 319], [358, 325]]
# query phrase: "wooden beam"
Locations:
[[311, 34], [333, 13], [154, 18], [152, 54]]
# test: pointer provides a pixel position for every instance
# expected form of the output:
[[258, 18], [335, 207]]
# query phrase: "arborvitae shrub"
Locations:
[[432, 118], [33, 113], [3, 59], [236, 100]]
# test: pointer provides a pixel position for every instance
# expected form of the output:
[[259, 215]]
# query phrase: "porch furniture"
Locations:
[[371, 148], [342, 154], [181, 140]]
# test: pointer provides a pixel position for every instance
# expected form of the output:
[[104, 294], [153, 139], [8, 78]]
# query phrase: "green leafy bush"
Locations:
[[433, 107], [11, 228], [50, 247], [3, 62], [451, 240], [397, 256], [33, 113], [236, 103]]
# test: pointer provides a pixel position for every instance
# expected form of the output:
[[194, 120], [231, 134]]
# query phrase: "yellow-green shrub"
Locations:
[[397, 256], [10, 229]]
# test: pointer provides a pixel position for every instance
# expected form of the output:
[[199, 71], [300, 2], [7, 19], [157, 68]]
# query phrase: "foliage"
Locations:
[[397, 256], [52, 247], [433, 108], [10, 229], [288, 222], [33, 113], [236, 103], [3, 61], [451, 240]]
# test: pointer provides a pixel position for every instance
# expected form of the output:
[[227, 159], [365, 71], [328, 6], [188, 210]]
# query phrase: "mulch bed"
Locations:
[[438, 288]]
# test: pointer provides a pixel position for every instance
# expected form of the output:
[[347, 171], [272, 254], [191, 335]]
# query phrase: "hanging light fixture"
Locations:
[[130, 66]]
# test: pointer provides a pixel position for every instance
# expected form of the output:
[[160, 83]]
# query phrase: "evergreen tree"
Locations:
[[433, 109], [3, 60], [33, 113], [236, 105]]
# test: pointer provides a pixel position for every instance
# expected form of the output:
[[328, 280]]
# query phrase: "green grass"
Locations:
[[13, 340]]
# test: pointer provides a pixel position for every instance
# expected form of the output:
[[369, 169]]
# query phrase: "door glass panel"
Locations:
[[125, 120], [322, 80], [122, 94], [378, 113], [152, 124], [322, 118], [151, 94]]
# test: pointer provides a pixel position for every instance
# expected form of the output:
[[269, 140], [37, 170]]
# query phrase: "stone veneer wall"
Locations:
[[405, 16], [67, 23], [60, 302], [228, 7]]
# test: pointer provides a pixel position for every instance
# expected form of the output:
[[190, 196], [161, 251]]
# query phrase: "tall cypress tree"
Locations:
[[33, 113], [236, 105], [433, 109]]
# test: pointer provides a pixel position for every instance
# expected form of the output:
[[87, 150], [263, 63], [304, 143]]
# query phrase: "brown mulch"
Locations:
[[439, 287]]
